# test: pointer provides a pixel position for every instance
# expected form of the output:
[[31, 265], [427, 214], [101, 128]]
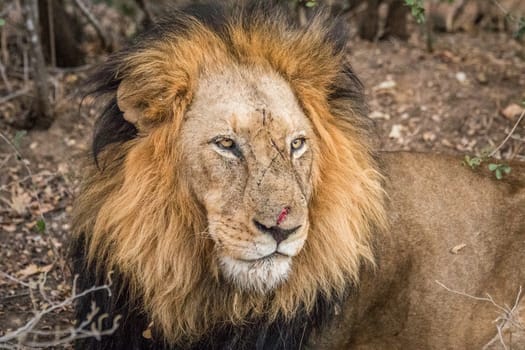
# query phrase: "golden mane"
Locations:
[[139, 217]]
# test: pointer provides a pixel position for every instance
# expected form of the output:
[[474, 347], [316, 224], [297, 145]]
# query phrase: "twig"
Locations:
[[504, 10], [18, 93], [509, 314], [14, 279], [2, 163], [98, 28], [61, 336], [4, 78], [28, 170], [508, 136], [148, 16], [15, 296], [488, 298]]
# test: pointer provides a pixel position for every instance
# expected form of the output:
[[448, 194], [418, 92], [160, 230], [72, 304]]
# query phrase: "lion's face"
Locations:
[[249, 151]]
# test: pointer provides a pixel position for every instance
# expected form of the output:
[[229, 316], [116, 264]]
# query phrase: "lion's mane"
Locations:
[[136, 217]]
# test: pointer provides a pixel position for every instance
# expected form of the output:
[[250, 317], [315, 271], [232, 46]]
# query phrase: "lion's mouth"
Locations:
[[271, 256]]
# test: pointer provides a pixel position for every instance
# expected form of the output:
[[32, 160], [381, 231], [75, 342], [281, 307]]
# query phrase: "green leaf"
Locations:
[[493, 166], [41, 226], [507, 169], [2, 22], [498, 173], [520, 32], [417, 9], [18, 137], [310, 4]]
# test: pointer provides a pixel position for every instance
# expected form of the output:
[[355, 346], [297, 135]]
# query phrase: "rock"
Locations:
[[461, 77]]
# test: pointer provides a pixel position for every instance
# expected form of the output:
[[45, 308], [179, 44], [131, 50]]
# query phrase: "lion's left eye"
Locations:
[[297, 144]]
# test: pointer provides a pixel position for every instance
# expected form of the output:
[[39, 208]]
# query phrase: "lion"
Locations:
[[237, 201]]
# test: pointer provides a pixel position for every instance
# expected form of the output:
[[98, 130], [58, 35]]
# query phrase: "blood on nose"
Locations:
[[282, 215]]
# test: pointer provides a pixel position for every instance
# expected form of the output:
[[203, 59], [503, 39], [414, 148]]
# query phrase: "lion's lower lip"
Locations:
[[264, 258]]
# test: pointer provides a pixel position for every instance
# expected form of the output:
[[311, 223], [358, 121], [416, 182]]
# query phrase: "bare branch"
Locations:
[[18, 93], [92, 326], [508, 136], [509, 316]]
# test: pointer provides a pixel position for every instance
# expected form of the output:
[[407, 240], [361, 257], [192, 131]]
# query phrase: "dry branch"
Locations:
[[30, 336], [509, 315]]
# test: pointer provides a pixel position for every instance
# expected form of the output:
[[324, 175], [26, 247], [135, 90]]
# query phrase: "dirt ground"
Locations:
[[448, 101]]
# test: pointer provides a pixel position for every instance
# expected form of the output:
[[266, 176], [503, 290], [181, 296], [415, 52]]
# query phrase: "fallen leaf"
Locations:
[[30, 270], [395, 132], [457, 248], [9, 228], [385, 85], [512, 111], [33, 269]]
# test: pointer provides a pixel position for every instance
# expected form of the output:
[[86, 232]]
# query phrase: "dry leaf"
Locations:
[[32, 269], [20, 200], [395, 132], [457, 248], [387, 84], [512, 111], [9, 228], [379, 115]]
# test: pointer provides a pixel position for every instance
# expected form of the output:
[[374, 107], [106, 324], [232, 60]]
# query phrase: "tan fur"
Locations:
[[145, 221]]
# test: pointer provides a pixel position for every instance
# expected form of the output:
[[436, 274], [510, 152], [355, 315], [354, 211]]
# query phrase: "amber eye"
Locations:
[[225, 143], [297, 144]]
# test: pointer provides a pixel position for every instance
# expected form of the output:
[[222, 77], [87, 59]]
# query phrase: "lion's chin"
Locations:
[[259, 276]]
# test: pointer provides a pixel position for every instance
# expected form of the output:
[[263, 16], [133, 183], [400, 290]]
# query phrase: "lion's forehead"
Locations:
[[241, 99]]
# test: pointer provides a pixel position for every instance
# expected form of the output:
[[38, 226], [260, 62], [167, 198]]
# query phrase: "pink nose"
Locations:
[[282, 215]]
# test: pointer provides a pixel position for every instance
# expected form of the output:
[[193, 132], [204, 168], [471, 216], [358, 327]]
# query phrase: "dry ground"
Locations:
[[449, 101]]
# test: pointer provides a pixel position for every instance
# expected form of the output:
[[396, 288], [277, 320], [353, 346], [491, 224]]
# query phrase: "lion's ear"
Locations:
[[128, 103]]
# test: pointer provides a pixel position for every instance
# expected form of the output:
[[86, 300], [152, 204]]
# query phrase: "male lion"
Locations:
[[239, 203]]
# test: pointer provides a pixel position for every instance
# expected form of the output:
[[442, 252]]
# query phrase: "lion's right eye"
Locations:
[[225, 143]]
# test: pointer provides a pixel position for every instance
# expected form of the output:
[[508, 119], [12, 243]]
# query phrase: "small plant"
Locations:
[[41, 226], [417, 9], [520, 32], [18, 138], [499, 170], [473, 162], [310, 3]]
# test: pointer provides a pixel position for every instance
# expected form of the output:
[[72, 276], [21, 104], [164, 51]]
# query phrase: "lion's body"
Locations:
[[239, 203], [450, 227]]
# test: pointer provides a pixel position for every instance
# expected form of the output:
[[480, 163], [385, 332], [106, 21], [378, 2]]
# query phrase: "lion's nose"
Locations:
[[278, 233]]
